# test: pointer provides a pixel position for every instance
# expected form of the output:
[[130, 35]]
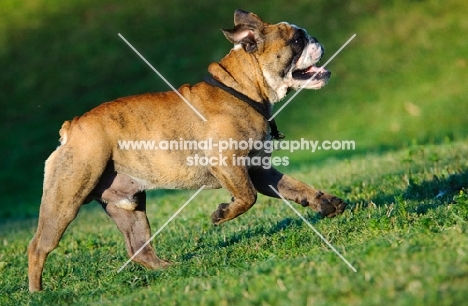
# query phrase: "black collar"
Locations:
[[261, 107]]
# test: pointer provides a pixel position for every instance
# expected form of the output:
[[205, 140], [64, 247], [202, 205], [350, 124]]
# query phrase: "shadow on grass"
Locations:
[[253, 232], [428, 194], [263, 230]]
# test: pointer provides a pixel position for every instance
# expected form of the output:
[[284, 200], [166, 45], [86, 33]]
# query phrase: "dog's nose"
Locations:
[[313, 40]]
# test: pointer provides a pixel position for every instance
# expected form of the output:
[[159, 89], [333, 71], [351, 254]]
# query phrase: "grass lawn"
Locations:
[[398, 90], [405, 233]]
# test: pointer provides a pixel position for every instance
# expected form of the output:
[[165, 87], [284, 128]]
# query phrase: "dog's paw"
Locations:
[[219, 215], [164, 264], [153, 264], [327, 205], [158, 265]]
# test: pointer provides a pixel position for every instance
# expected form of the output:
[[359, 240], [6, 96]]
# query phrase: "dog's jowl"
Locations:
[[266, 61]]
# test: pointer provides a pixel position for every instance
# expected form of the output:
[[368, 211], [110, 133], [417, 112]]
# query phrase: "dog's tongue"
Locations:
[[317, 72], [315, 69]]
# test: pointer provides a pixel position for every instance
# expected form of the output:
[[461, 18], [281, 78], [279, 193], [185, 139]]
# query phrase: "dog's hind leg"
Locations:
[[135, 227], [67, 182]]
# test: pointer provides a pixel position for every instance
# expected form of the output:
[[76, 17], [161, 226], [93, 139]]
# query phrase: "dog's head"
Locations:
[[286, 54]]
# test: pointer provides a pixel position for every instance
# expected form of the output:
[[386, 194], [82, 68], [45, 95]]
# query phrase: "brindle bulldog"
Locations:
[[267, 60]]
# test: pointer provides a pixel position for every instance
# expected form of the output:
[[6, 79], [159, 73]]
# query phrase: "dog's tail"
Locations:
[[64, 132]]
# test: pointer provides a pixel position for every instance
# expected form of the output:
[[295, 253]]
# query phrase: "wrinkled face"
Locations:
[[286, 54], [293, 59]]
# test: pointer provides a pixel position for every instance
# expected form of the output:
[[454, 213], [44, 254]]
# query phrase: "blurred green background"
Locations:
[[401, 81]]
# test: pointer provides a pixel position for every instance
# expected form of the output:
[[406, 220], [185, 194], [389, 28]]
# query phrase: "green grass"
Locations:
[[397, 82], [405, 232], [398, 90]]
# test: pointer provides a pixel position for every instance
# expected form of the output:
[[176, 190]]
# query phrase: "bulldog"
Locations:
[[267, 61]]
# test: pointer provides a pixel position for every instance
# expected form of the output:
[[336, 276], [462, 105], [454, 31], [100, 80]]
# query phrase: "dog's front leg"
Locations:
[[236, 180], [291, 189]]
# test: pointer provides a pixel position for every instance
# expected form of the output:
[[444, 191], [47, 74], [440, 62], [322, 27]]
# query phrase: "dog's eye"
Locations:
[[297, 44], [298, 41]]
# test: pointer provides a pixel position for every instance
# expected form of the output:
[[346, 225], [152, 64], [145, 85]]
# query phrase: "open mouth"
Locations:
[[317, 73]]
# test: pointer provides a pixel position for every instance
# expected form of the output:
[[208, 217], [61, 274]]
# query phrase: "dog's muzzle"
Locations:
[[306, 64], [314, 72]]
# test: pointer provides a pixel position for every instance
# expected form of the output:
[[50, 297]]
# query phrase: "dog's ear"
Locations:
[[246, 37], [247, 30], [249, 19]]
